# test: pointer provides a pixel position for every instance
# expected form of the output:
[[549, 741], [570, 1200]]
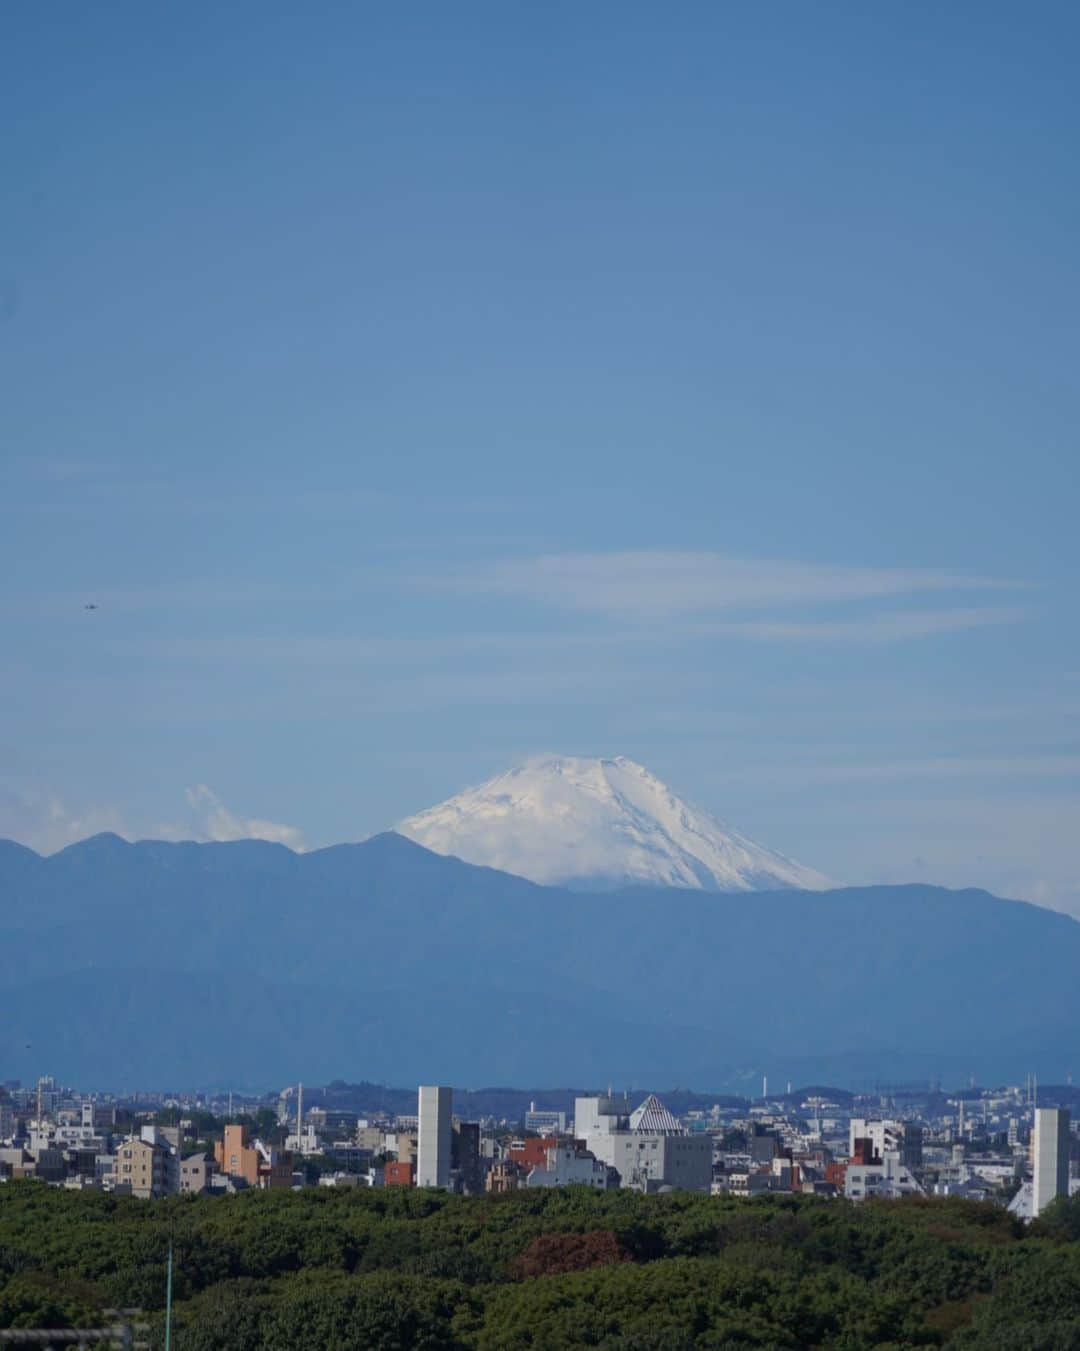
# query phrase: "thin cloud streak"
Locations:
[[652, 584], [801, 775], [890, 627], [325, 649]]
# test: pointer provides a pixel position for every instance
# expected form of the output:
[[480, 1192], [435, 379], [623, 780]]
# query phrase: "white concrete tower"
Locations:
[[433, 1136], [1051, 1163]]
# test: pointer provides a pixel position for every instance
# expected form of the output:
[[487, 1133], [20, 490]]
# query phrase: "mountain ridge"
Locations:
[[385, 960]]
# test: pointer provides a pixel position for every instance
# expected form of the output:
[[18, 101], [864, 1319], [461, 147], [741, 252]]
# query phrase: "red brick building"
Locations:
[[397, 1173]]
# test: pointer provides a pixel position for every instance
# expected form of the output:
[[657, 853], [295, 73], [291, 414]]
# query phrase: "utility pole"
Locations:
[[168, 1300]]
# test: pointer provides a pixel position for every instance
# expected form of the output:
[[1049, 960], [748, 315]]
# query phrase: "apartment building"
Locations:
[[251, 1162], [142, 1168]]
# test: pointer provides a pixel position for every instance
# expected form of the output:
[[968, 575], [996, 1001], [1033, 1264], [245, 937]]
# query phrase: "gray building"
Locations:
[[648, 1148], [1051, 1157], [433, 1136], [545, 1122], [467, 1172]]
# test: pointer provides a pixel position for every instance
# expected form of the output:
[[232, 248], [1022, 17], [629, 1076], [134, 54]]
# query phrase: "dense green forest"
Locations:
[[392, 1268]]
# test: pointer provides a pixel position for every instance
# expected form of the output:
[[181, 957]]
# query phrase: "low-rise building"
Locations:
[[569, 1164], [884, 1176], [196, 1172], [397, 1174], [541, 1122], [888, 1136], [504, 1176], [255, 1163], [531, 1153], [17, 1162]]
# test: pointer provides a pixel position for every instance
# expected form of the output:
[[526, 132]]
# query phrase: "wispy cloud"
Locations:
[[801, 775], [983, 768], [885, 627], [217, 822], [46, 823], [652, 584]]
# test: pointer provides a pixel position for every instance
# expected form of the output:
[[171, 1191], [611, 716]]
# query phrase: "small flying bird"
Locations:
[[90, 606]]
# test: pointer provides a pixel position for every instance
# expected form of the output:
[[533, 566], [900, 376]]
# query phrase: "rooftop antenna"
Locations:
[[299, 1117]]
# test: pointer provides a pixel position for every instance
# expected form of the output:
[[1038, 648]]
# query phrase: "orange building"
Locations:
[[253, 1162], [836, 1173], [397, 1174]]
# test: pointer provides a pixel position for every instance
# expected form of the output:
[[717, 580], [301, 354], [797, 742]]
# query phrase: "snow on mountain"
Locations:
[[596, 824]]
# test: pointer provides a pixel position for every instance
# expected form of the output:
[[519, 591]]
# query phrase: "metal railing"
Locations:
[[124, 1333]]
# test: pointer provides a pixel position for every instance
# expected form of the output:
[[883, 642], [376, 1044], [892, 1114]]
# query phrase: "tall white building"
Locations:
[[433, 1136], [1051, 1157]]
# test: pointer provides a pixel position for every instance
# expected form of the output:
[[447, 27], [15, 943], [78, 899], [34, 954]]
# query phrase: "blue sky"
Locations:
[[416, 388]]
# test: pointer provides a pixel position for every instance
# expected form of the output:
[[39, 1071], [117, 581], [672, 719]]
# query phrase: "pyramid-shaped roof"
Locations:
[[652, 1116]]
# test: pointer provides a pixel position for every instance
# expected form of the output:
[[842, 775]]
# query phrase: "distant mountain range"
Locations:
[[166, 965], [599, 824]]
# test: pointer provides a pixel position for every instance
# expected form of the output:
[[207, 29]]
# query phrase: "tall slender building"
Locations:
[[433, 1136], [1051, 1161]]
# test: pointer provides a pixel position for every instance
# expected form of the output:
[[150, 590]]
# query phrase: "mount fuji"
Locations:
[[598, 825]]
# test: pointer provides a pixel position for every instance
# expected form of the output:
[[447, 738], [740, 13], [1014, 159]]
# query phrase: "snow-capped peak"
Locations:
[[560, 820]]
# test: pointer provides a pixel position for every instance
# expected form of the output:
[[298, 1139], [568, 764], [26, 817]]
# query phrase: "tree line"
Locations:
[[394, 1268]]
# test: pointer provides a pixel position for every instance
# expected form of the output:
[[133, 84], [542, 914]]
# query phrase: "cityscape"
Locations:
[[540, 676], [1015, 1146]]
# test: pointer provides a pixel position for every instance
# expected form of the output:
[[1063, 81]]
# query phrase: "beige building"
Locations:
[[196, 1172], [406, 1146], [141, 1168]]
